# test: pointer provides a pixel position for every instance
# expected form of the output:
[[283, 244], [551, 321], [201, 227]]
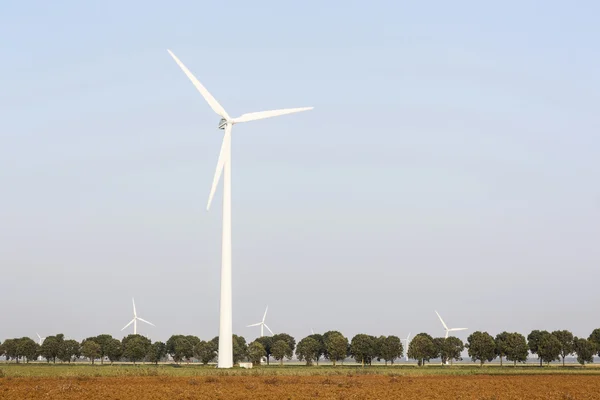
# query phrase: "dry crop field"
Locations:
[[79, 382]]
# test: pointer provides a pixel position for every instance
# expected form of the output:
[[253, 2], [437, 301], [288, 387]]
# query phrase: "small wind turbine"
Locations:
[[135, 320], [262, 324], [448, 330], [40, 339], [224, 167], [406, 346]]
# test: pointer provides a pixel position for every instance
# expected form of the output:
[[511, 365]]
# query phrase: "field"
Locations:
[[295, 382]]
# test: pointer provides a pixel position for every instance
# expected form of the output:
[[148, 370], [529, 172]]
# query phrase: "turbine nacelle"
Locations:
[[222, 123]]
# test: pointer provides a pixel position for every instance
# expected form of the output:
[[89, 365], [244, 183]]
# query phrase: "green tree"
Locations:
[[240, 348], [585, 350], [326, 337], [533, 340], [103, 340], [90, 350], [1, 349], [10, 349], [565, 338], [319, 338], [481, 346], [256, 351], [67, 350], [516, 348], [205, 351], [308, 350], [502, 345], [179, 347], [438, 344], [135, 347], [114, 350], [27, 348], [363, 348], [595, 338], [51, 346], [156, 352], [284, 336], [281, 349], [336, 346], [267, 342], [549, 348], [390, 348], [452, 348], [422, 348]]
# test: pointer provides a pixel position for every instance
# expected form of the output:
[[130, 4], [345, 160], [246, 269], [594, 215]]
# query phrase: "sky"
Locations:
[[450, 163]]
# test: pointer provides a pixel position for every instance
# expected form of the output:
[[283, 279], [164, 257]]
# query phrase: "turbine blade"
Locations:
[[257, 324], [39, 337], [445, 327], [269, 329], [130, 322], [265, 316], [214, 104], [268, 114], [220, 163], [143, 320], [133, 301], [458, 329]]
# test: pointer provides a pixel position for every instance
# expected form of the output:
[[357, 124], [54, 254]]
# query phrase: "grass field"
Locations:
[[62, 381]]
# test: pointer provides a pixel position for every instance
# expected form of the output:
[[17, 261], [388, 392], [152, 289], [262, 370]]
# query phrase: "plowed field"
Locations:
[[305, 387]]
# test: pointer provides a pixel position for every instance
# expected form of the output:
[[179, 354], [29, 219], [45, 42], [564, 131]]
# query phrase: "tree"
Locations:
[[281, 349], [363, 348], [585, 350], [549, 348], [27, 348], [135, 347], [481, 346], [595, 338], [390, 348], [516, 348], [240, 348], [103, 340], [421, 348], [180, 347], [266, 342], [51, 346], [10, 349], [67, 350], [319, 338], [438, 344], [533, 340], [326, 336], [205, 352], [501, 345], [114, 350], [256, 351], [90, 349], [1, 349], [336, 347], [565, 338], [156, 352], [284, 336], [308, 350], [451, 349]]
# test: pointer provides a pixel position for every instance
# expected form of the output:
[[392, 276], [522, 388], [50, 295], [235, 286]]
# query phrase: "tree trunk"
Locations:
[[563, 361], [515, 363], [386, 363], [541, 362], [481, 365], [333, 362], [363, 362], [281, 362]]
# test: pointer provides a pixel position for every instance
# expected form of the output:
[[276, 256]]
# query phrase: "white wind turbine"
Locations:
[[40, 339], [224, 166], [262, 324], [135, 320], [448, 330], [406, 346]]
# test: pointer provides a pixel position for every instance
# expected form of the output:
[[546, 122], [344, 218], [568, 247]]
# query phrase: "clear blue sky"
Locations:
[[450, 163]]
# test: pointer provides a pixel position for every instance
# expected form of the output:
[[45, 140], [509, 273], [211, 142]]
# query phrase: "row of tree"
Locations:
[[333, 346]]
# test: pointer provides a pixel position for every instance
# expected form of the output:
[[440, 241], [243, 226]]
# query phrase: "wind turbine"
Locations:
[[262, 324], [406, 346], [40, 339], [224, 166], [135, 320], [448, 330]]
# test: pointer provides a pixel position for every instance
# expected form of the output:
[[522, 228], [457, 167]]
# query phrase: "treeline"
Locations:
[[333, 346]]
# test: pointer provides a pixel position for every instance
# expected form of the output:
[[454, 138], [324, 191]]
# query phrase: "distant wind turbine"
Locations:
[[448, 330], [135, 320], [406, 346], [262, 324], [40, 339]]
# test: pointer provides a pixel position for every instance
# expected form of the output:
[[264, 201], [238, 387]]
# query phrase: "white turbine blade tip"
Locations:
[[257, 324], [269, 329], [268, 114]]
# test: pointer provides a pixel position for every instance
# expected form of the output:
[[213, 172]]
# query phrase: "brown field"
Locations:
[[496, 387]]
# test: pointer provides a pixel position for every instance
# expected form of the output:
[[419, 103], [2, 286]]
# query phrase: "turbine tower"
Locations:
[[135, 320], [262, 324], [406, 346], [448, 330], [224, 167]]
